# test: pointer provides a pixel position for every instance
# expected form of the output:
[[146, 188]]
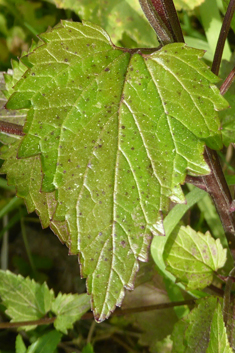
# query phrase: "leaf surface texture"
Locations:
[[114, 133]]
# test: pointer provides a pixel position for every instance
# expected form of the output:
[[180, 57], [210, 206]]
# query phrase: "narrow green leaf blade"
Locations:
[[193, 257], [69, 308], [116, 131], [218, 336], [19, 344], [46, 343], [24, 299]]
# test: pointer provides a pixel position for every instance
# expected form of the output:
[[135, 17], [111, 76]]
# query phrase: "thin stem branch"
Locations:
[[118, 312], [222, 37], [227, 83], [44, 321]]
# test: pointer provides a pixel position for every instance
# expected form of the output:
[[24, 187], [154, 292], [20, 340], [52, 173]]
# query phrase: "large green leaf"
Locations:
[[117, 131], [193, 257]]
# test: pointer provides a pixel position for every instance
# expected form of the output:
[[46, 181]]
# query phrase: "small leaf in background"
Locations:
[[192, 334], [187, 4], [19, 345], [47, 343], [69, 308], [218, 336], [120, 18], [193, 257], [6, 115], [88, 349], [24, 299], [112, 209]]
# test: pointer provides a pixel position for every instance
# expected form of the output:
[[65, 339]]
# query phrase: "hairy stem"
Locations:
[[166, 10], [162, 31], [12, 129], [162, 16], [222, 37]]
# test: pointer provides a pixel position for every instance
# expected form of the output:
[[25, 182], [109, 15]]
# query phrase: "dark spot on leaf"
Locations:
[[33, 74], [123, 127], [66, 60], [107, 69], [123, 243], [132, 148]]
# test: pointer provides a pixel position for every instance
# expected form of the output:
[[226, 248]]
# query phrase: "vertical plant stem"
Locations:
[[222, 37], [4, 249], [163, 33], [26, 244], [162, 16], [218, 189], [166, 10]]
